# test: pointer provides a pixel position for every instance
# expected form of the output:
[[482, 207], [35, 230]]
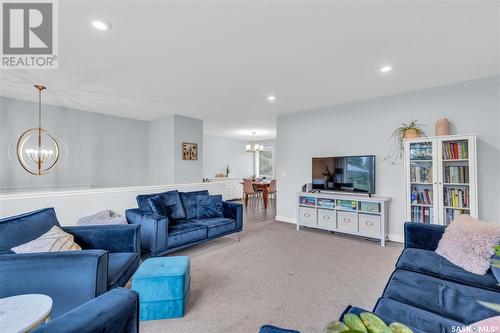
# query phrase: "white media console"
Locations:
[[359, 215]]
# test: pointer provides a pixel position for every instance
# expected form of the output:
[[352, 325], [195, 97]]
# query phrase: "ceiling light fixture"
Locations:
[[253, 147], [271, 98], [101, 25], [385, 69]]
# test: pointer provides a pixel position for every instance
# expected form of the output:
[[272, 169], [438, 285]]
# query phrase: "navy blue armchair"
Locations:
[[161, 234], [116, 311], [109, 257]]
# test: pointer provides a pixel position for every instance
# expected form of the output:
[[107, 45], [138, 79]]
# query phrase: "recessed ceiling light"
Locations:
[[101, 25], [385, 69], [271, 98]]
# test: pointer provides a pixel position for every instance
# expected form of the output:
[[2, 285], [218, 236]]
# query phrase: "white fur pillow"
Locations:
[[468, 243], [54, 240]]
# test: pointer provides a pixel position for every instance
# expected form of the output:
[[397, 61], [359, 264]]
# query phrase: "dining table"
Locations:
[[261, 186]]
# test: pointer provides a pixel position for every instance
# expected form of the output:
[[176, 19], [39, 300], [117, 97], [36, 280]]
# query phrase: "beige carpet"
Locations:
[[277, 275]]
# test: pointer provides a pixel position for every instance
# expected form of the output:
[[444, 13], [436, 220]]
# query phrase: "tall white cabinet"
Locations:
[[441, 178]]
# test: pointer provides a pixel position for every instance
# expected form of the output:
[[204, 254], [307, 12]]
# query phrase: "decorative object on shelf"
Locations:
[[37, 150], [406, 131], [189, 151], [228, 171], [253, 146], [442, 127]]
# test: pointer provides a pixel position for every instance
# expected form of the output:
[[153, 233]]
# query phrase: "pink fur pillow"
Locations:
[[468, 243]]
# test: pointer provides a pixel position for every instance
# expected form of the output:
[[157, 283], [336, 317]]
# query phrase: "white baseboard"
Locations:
[[392, 237], [396, 238], [285, 219]]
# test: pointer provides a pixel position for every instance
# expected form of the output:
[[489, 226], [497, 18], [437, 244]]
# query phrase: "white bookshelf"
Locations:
[[358, 215], [440, 178]]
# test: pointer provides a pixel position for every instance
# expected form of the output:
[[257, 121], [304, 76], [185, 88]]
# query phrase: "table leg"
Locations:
[[265, 194]]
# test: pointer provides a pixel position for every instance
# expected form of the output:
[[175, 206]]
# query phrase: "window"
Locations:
[[265, 163]]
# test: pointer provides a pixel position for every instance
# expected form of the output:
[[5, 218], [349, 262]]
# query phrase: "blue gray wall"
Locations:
[[365, 127], [218, 152], [101, 150]]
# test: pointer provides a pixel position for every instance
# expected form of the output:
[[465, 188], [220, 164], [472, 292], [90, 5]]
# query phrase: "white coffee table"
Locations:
[[23, 313]]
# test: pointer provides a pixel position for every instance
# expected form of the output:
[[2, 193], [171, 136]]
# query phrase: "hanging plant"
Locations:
[[406, 131]]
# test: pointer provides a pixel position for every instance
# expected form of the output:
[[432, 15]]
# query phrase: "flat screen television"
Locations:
[[344, 173]]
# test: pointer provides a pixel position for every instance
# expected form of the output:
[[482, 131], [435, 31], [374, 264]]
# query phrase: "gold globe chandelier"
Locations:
[[37, 150]]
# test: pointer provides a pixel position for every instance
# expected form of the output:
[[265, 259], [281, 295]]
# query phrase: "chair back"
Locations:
[[248, 187], [272, 186]]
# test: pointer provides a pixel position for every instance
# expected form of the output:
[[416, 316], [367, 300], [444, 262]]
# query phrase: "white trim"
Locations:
[[396, 238], [286, 219]]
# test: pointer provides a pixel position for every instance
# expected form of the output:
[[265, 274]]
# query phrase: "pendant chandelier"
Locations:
[[254, 147], [37, 150]]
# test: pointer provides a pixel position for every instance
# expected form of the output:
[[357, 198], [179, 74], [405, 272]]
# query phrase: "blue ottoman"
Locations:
[[163, 287]]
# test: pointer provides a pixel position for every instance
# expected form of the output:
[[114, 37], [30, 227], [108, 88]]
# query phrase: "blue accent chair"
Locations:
[[162, 234], [430, 294], [109, 257], [116, 311]]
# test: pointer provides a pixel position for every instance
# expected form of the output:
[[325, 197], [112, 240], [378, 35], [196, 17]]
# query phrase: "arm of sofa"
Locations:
[[154, 230], [234, 211], [112, 238], [423, 236], [115, 311], [71, 278]]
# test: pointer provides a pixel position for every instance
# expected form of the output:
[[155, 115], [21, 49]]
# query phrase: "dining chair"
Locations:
[[248, 190], [272, 189]]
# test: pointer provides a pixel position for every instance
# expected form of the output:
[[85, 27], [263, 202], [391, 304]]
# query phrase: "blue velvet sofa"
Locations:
[[109, 257], [430, 294], [427, 292], [179, 227], [116, 311]]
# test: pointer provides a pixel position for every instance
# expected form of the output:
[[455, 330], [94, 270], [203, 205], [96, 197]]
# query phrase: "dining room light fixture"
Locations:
[[386, 69], [271, 98], [37, 150], [253, 146], [101, 25]]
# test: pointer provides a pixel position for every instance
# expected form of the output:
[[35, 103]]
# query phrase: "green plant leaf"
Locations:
[[492, 306]]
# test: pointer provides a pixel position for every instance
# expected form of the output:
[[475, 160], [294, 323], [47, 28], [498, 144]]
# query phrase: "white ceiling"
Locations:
[[218, 61]]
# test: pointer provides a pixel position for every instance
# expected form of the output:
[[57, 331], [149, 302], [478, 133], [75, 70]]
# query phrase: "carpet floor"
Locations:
[[278, 275]]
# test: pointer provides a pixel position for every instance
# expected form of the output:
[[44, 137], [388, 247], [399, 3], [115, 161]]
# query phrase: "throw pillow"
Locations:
[[103, 217], [158, 206], [173, 202], [54, 240], [188, 200], [468, 243], [209, 206]]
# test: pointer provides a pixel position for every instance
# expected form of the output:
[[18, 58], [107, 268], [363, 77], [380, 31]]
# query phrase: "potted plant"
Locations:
[[228, 171], [406, 131]]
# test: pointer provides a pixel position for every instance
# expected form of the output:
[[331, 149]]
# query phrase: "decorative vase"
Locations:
[[410, 133], [442, 127]]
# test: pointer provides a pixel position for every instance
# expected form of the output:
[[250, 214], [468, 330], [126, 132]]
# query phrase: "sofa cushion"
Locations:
[[185, 233], [189, 203], [420, 321], [20, 229], [431, 263], [217, 226], [449, 299], [173, 202], [142, 202], [157, 205], [209, 206], [121, 267]]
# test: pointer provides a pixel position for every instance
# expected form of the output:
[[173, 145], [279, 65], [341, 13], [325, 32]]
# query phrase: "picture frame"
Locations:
[[189, 151]]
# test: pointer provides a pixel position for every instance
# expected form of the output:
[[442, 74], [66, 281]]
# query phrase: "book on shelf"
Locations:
[[452, 214], [456, 197], [456, 174], [420, 174], [421, 197], [421, 214], [455, 150]]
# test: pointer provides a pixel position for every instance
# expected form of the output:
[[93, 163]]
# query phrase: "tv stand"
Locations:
[[355, 214]]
